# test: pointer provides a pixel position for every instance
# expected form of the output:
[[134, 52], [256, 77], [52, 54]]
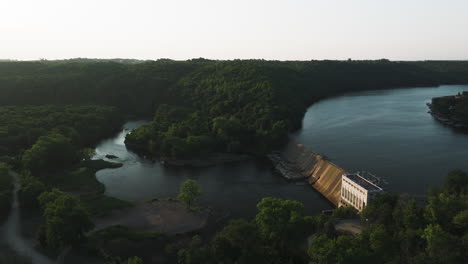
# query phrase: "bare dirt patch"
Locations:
[[170, 217]]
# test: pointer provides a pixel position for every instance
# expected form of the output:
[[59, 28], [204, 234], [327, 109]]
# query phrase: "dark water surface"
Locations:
[[386, 132], [237, 187], [389, 133]]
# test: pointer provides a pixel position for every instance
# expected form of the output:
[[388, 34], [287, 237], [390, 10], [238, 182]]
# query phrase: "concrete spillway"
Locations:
[[323, 175]]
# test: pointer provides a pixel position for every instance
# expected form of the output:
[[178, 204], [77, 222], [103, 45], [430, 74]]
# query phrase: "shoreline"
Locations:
[[446, 120]]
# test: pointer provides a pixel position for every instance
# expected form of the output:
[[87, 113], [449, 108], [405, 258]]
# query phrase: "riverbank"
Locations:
[[451, 110]]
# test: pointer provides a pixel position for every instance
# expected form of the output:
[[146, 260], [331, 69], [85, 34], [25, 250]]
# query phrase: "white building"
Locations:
[[357, 191]]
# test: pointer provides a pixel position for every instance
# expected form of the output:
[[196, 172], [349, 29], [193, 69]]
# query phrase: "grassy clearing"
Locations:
[[102, 205], [81, 181], [82, 177]]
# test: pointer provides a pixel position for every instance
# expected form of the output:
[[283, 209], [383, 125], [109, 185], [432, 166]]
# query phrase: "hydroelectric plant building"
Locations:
[[357, 190]]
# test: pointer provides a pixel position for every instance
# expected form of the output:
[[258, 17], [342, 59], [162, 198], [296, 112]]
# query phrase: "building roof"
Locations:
[[363, 182]]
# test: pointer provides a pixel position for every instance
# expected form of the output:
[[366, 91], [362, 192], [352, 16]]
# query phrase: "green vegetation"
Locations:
[[81, 177], [49, 153], [82, 125], [250, 106], [452, 108], [102, 243], [189, 192], [30, 190], [198, 106], [47, 144], [132, 260], [81, 180], [276, 235], [6, 190], [396, 230], [51, 112], [66, 221]]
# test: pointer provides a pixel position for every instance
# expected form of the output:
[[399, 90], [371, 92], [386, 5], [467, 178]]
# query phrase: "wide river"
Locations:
[[386, 132]]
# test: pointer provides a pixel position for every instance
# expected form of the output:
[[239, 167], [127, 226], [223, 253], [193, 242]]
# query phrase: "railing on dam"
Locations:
[[298, 162]]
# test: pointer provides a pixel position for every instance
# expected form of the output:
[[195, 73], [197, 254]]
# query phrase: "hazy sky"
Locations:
[[225, 29]]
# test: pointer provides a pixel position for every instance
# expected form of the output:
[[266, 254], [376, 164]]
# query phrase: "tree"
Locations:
[[66, 221], [282, 223], [131, 260], [457, 182], [30, 190], [195, 253], [380, 211], [189, 192], [441, 246], [49, 153], [6, 190], [344, 249], [239, 242]]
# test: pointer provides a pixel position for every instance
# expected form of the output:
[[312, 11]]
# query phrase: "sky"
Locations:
[[237, 29]]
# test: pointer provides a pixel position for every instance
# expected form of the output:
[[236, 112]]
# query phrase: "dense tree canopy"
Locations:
[[66, 221], [274, 236], [49, 153], [31, 188], [397, 229], [21, 126], [51, 110], [6, 190], [223, 106], [401, 230]]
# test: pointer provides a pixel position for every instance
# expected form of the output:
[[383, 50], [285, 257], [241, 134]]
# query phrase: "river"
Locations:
[[387, 132], [237, 187]]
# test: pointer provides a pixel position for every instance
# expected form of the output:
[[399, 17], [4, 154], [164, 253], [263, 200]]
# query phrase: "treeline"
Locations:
[[201, 106], [397, 229], [453, 108], [251, 106], [43, 143], [83, 125], [49, 159]]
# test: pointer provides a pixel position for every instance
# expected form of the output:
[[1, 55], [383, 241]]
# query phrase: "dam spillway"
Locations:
[[296, 162]]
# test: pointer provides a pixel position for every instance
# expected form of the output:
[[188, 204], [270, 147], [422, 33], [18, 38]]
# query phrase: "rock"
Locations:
[[110, 156]]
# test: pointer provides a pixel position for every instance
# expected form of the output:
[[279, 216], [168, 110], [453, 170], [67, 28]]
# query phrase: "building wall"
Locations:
[[353, 194]]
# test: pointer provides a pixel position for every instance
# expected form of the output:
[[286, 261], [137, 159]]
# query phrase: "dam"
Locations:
[[296, 162]]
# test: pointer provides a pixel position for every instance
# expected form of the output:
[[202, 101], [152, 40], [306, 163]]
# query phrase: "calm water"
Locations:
[[386, 132], [237, 187]]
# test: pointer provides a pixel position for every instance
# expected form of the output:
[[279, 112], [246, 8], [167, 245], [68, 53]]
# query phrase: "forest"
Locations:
[[397, 229], [452, 110], [52, 113], [240, 106]]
